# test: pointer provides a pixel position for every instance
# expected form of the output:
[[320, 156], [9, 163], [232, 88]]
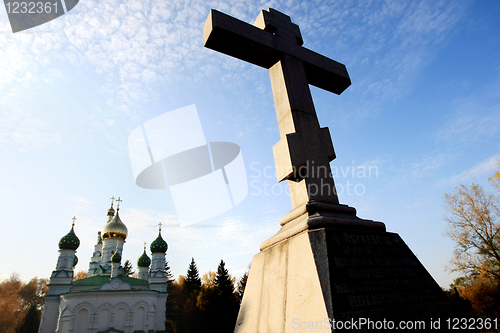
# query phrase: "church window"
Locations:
[[139, 319], [81, 321], [119, 319], [103, 321]]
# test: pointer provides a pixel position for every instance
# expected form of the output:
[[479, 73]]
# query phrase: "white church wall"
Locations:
[[50, 314], [123, 310]]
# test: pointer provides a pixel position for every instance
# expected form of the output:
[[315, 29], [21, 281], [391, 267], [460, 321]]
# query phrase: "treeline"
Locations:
[[475, 297], [195, 303], [21, 304]]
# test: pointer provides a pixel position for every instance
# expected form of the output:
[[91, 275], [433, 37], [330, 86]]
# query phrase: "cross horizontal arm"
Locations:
[[244, 41]]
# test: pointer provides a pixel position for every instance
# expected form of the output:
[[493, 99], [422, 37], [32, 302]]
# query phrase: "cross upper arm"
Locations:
[[244, 41]]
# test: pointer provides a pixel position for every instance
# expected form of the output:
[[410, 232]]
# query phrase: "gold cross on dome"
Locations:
[[159, 224], [112, 200], [74, 219], [144, 246], [118, 204]]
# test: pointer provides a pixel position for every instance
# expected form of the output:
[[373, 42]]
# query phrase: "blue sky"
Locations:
[[423, 110]]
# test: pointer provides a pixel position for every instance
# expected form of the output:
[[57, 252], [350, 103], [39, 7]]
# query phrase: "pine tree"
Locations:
[[127, 267], [31, 321], [222, 309], [223, 281], [168, 272], [242, 283], [193, 281], [174, 307]]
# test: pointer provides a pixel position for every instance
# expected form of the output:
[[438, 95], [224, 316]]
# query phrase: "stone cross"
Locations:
[[303, 154]]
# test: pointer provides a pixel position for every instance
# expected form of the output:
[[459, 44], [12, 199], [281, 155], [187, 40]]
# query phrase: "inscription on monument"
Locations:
[[376, 276]]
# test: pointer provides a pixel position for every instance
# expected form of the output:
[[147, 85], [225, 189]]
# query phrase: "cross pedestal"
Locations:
[[325, 263]]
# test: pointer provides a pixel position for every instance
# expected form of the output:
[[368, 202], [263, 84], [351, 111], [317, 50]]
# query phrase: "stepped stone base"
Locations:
[[326, 264]]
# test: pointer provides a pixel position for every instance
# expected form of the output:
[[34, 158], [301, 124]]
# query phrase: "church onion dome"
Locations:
[[116, 258], [111, 211], [70, 241], [159, 245], [115, 229], [143, 260], [75, 261]]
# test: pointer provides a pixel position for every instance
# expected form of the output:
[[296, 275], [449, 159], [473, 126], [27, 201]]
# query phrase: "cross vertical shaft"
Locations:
[[303, 154]]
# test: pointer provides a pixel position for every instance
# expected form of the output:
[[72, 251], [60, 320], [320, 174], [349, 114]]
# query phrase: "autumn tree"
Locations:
[[21, 304], [473, 223], [33, 292], [11, 305], [483, 295], [208, 291], [80, 275]]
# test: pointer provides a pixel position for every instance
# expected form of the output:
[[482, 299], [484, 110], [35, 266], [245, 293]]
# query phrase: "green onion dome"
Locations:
[[116, 258], [159, 245], [70, 241], [115, 229], [143, 260], [75, 261]]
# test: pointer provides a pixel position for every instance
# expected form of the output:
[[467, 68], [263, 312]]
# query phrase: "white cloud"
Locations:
[[25, 131], [480, 171], [158, 44], [230, 238], [427, 164], [81, 204], [406, 172], [471, 123], [227, 233], [143, 49]]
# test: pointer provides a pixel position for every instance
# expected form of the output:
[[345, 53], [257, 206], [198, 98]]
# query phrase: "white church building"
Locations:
[[107, 301]]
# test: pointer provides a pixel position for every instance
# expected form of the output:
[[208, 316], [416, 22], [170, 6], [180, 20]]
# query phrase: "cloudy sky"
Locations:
[[423, 111]]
